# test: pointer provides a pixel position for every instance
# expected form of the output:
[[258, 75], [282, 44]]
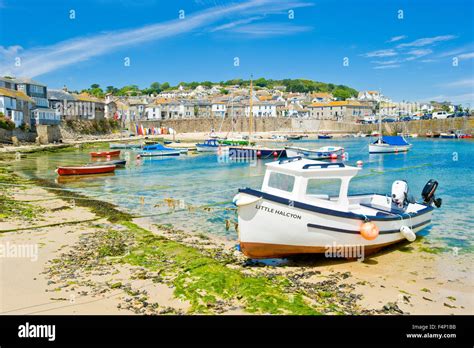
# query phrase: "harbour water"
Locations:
[[194, 192]]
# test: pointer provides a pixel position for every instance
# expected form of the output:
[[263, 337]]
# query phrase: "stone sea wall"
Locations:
[[278, 124]]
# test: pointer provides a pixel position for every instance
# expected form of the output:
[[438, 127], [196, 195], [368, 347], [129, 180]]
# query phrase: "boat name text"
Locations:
[[277, 211]]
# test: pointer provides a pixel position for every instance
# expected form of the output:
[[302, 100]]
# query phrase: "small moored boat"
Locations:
[[389, 144], [295, 212], [294, 137], [160, 147], [117, 163], [324, 152], [106, 153], [255, 152], [324, 136], [210, 145], [159, 150], [124, 146], [85, 170]]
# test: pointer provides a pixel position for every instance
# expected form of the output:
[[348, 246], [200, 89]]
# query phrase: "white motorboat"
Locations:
[[321, 153], [295, 211], [389, 144]]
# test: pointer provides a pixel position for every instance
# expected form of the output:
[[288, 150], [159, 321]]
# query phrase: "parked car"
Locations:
[[405, 118], [460, 114], [416, 118], [389, 120], [427, 117], [440, 115]]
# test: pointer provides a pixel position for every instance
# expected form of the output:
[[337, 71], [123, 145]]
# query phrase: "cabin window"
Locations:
[[281, 181], [323, 187]]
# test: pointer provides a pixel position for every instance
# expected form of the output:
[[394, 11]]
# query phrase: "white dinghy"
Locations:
[[289, 216]]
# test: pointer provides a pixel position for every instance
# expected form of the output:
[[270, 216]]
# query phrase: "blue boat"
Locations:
[[324, 136], [158, 150], [159, 147], [389, 144], [210, 145]]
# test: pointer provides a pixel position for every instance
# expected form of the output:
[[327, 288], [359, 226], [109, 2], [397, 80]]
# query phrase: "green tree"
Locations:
[[165, 86], [155, 87], [341, 94]]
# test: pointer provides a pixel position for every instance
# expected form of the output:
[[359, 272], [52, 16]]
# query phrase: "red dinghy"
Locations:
[[85, 170], [106, 153]]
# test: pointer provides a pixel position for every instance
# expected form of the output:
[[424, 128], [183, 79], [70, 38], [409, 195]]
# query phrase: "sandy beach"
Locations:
[[86, 264]]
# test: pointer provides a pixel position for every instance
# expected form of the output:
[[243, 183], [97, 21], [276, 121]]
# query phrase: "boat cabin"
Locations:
[[395, 140], [211, 142], [312, 182]]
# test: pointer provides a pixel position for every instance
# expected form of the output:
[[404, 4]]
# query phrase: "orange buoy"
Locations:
[[138, 156], [369, 230], [259, 153], [333, 156], [275, 154]]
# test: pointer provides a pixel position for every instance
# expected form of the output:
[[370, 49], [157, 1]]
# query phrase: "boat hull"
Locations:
[[117, 163], [324, 136], [105, 154], [86, 170], [312, 154], [275, 227], [158, 153], [384, 148], [258, 153], [124, 146]]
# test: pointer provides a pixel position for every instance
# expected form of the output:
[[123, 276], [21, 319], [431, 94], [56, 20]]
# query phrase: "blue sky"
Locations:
[[408, 58]]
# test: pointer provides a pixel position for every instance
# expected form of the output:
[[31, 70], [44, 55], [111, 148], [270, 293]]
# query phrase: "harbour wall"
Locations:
[[286, 125]]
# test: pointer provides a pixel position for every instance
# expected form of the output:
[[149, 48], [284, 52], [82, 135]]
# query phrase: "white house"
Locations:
[[219, 109], [153, 111], [262, 109]]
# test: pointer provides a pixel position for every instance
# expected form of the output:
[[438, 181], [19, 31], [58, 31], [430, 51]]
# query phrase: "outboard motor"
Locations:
[[428, 194], [400, 193]]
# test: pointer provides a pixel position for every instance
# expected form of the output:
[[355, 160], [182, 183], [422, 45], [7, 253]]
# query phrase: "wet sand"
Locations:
[[399, 280]]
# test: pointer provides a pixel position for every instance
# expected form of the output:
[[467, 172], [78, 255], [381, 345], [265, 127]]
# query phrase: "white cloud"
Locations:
[[417, 53], [460, 83], [234, 24], [467, 98], [381, 53], [385, 62], [270, 29], [466, 55], [41, 60], [427, 41], [397, 38], [390, 66]]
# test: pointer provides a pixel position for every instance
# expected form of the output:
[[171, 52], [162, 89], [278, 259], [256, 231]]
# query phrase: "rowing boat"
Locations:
[[105, 153], [85, 170]]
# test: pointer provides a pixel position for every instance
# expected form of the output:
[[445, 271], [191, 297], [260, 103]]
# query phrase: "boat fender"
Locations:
[[240, 200], [408, 233], [369, 230]]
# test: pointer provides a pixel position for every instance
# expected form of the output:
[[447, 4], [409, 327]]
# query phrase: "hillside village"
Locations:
[[27, 103]]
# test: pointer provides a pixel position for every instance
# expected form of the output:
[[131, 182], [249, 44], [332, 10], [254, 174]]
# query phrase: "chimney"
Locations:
[[65, 88]]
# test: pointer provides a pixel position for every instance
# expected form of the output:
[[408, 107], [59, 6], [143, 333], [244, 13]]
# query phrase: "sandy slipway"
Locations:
[[95, 259]]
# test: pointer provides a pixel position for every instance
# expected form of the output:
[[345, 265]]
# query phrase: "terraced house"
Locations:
[[341, 111], [15, 105], [41, 114]]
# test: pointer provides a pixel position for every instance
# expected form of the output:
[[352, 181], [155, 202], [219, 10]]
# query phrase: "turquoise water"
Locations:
[[171, 190]]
